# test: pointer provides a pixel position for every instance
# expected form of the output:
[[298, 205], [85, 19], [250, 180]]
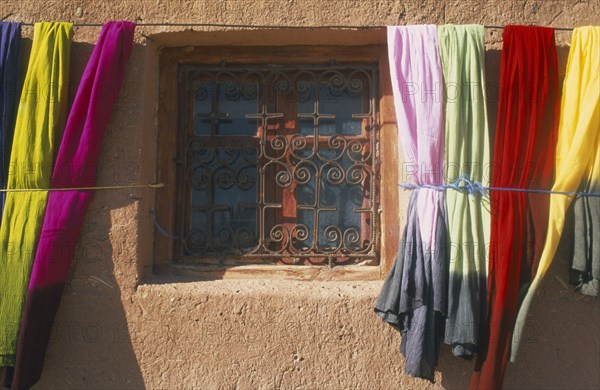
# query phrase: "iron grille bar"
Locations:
[[281, 164]]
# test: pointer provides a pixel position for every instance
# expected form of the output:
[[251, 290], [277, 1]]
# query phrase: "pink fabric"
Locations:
[[417, 81], [79, 152], [413, 298]]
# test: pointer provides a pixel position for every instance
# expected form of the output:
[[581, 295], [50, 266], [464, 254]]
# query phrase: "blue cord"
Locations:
[[160, 229], [465, 184]]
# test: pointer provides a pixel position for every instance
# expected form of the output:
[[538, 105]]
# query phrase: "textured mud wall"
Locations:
[[121, 327]]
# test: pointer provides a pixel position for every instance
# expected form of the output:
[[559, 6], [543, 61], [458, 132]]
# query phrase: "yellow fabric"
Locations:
[[39, 125], [578, 148]]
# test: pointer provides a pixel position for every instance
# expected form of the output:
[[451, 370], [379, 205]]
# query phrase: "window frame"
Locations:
[[169, 116]]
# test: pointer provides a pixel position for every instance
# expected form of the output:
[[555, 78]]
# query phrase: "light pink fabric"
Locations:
[[417, 82]]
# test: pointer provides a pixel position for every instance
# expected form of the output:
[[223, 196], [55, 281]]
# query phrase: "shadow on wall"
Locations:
[[90, 346], [561, 347], [93, 344]]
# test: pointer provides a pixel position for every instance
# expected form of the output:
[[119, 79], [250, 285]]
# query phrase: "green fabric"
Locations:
[[467, 153], [40, 121]]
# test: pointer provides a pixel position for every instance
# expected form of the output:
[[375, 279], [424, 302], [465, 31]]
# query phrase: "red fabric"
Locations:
[[523, 158]]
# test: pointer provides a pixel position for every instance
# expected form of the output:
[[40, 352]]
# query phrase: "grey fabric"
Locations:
[[466, 302], [414, 296], [586, 242]]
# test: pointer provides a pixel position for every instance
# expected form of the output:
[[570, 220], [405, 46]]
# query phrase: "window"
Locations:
[[273, 156]]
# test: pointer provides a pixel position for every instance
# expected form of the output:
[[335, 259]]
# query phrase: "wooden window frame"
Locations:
[[167, 207]]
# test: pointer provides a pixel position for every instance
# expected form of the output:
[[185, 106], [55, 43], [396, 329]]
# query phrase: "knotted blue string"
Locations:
[[466, 185]]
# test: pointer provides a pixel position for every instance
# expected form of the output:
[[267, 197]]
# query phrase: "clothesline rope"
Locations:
[[99, 188], [226, 25], [465, 184]]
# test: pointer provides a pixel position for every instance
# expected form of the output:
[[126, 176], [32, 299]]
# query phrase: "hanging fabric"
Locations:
[[75, 167], [523, 158], [467, 153], [10, 52], [39, 122], [577, 167], [585, 260], [414, 295]]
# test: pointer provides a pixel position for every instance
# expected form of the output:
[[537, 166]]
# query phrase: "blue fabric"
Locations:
[[10, 52]]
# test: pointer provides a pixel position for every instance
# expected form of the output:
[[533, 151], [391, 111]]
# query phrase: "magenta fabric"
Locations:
[[75, 167]]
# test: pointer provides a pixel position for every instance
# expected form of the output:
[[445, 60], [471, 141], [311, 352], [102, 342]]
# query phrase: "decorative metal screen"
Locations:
[[281, 165]]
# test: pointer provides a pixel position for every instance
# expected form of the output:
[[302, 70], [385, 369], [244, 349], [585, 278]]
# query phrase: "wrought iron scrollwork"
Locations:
[[274, 192]]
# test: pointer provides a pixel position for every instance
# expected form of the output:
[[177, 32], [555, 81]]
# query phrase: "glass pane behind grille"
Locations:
[[223, 201], [334, 206], [222, 108], [342, 104], [280, 166]]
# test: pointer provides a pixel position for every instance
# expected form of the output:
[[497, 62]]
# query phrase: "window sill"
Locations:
[[171, 289], [306, 273]]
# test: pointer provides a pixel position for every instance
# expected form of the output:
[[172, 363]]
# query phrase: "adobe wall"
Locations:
[[120, 327]]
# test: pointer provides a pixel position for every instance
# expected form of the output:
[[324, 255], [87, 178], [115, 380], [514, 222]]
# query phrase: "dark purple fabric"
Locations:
[[75, 167], [10, 52]]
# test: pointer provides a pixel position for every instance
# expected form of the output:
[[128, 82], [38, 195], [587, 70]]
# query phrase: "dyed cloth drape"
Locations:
[[467, 153], [10, 51], [577, 165], [523, 158], [40, 118], [414, 295], [75, 167]]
